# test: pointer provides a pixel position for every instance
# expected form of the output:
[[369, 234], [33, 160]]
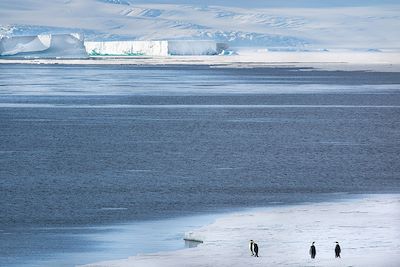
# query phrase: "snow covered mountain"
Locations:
[[297, 24]]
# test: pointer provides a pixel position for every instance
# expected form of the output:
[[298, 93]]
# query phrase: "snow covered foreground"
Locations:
[[368, 230]]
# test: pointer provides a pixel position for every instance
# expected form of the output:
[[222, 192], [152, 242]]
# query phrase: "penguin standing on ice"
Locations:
[[251, 247], [313, 251], [255, 246], [337, 250]]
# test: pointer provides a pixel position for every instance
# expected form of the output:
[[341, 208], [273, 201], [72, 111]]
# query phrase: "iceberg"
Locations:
[[10, 46], [192, 47], [44, 46], [127, 48], [154, 48]]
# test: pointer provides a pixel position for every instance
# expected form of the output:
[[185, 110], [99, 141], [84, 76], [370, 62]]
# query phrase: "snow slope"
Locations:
[[368, 231], [238, 23]]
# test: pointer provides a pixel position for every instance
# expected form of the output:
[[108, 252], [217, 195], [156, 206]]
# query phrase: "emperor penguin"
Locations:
[[313, 251], [255, 246], [251, 247], [337, 250]]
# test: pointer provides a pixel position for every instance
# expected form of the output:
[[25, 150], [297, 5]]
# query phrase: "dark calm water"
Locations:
[[85, 150]]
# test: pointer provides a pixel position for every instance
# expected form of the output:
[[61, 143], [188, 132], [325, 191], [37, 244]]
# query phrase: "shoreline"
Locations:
[[353, 221], [347, 61]]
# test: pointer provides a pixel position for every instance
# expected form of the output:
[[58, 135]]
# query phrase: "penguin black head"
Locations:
[[313, 243]]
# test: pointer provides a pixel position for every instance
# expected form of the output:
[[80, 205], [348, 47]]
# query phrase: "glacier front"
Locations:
[[44, 46]]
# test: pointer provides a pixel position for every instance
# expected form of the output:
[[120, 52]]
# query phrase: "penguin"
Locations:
[[251, 247], [255, 246], [313, 251], [337, 250]]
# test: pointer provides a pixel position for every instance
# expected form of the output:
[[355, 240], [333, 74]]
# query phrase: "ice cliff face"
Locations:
[[154, 48], [127, 48], [73, 46], [44, 46], [192, 48], [10, 46]]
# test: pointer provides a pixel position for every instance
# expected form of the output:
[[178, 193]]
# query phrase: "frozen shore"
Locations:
[[367, 228], [373, 61]]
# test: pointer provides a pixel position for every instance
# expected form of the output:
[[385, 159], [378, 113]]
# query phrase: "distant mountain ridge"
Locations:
[[368, 27]]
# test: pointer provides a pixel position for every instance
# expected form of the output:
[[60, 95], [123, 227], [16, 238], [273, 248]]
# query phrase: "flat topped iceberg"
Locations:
[[154, 48], [193, 47], [127, 48], [44, 46]]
